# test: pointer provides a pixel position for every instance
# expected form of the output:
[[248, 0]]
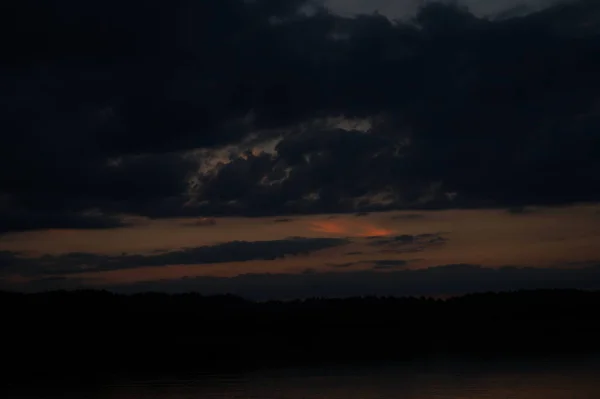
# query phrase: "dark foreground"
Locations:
[[90, 334], [445, 378]]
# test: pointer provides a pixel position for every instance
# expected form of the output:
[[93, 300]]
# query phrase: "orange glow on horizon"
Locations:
[[347, 228], [373, 231], [329, 227]]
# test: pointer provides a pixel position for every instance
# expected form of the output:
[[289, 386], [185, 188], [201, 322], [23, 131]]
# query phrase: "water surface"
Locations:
[[432, 379]]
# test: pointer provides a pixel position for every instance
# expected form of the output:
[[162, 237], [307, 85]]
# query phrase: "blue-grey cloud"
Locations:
[[389, 264], [407, 243], [235, 251], [380, 264]]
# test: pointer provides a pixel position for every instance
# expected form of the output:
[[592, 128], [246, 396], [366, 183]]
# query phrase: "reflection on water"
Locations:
[[448, 379]]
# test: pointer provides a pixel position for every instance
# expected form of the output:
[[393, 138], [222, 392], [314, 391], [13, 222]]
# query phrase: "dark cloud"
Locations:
[[6, 259], [410, 216], [43, 284], [103, 101], [202, 222], [343, 265], [91, 193], [19, 219], [407, 243], [469, 113], [86, 85], [382, 264], [404, 9], [389, 264], [521, 210], [283, 220], [235, 251], [442, 280]]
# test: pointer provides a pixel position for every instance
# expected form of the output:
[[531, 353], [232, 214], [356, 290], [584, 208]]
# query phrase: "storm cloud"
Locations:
[[199, 108]]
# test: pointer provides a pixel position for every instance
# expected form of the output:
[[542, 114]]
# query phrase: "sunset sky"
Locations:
[[292, 148]]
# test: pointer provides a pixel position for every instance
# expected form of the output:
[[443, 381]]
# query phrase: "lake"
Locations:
[[551, 378]]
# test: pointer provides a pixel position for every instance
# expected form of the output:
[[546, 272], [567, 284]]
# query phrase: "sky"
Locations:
[[278, 149]]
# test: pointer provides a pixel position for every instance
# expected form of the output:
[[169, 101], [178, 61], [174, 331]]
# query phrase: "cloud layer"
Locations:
[[236, 251], [436, 281], [443, 280], [190, 108]]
